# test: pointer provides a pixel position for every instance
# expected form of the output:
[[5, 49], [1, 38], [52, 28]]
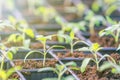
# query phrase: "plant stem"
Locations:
[[91, 26], [44, 59], [97, 64], [2, 63], [44, 48], [117, 36], [71, 48], [59, 77]]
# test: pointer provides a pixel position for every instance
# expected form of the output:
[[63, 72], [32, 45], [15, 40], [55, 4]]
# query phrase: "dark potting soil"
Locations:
[[32, 64], [90, 74], [35, 64], [104, 41]]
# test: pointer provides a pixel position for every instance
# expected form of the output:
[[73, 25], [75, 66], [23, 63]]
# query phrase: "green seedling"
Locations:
[[59, 70], [47, 13], [69, 26], [43, 40], [4, 75], [82, 68], [71, 39], [115, 68], [110, 21], [7, 55], [94, 20], [94, 48], [113, 30], [24, 31], [112, 7]]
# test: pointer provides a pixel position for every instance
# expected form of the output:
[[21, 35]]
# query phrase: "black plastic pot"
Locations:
[[33, 74], [21, 53], [66, 45]]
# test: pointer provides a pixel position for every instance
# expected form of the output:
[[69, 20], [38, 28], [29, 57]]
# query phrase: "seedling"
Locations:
[[43, 40], [7, 55], [23, 29], [94, 48], [113, 30], [115, 68], [4, 75], [94, 20], [59, 69], [70, 39], [47, 13], [69, 26]]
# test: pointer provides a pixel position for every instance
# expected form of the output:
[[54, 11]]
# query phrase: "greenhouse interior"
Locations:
[[59, 39]]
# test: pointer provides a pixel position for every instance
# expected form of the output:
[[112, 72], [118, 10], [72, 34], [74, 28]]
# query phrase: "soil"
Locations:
[[90, 74], [35, 64], [32, 64], [104, 41]]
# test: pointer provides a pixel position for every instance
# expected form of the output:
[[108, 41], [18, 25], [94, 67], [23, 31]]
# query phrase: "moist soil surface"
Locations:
[[90, 74], [105, 41]]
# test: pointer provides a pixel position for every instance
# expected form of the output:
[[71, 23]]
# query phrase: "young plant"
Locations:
[[115, 68], [93, 21], [69, 26], [47, 13], [43, 40], [94, 48], [7, 55], [23, 32], [5, 74], [71, 39], [113, 30], [59, 70]]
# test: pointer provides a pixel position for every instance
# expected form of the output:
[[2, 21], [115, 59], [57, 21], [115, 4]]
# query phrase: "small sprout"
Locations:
[[115, 68], [94, 48], [94, 20], [70, 39], [4, 75], [113, 30], [47, 13], [43, 40], [59, 69]]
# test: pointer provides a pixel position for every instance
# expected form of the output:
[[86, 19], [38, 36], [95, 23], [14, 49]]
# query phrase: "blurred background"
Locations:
[[43, 11]]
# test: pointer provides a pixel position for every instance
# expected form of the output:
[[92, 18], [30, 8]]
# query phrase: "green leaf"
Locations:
[[84, 64], [58, 20], [95, 6], [110, 20], [60, 38], [72, 35], [10, 55], [3, 75], [12, 19], [70, 77], [47, 69], [29, 32], [105, 65], [12, 70], [111, 9], [60, 67], [71, 64]]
